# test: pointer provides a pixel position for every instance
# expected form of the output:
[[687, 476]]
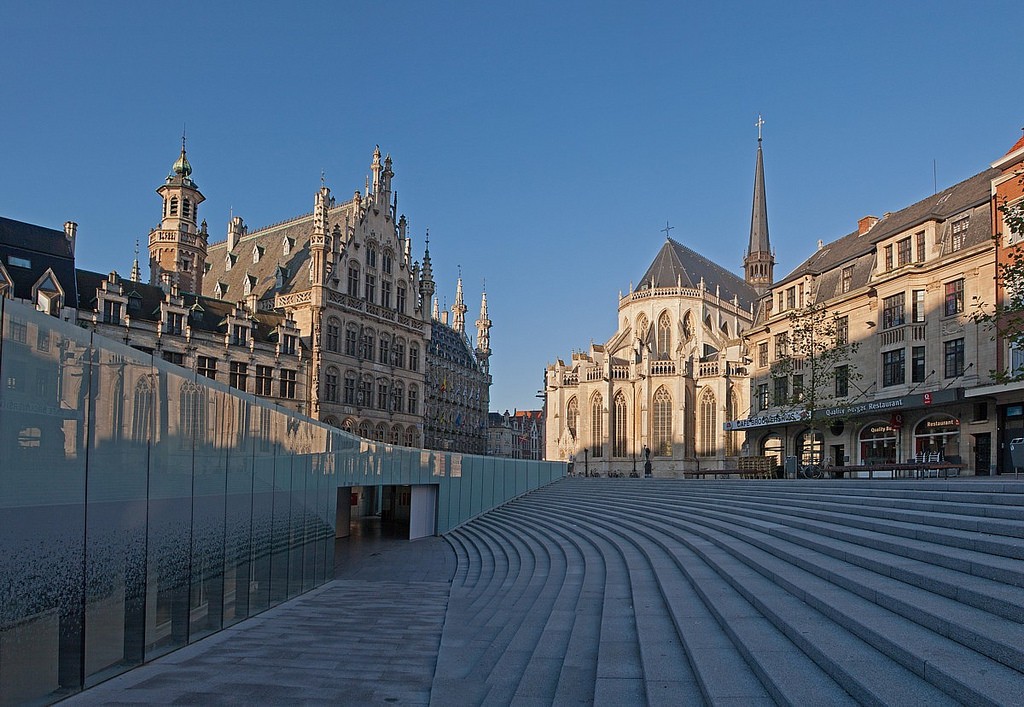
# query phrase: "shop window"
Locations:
[[878, 443], [938, 438]]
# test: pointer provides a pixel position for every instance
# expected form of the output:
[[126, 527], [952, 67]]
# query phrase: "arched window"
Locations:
[[142, 411], [620, 426], [383, 399], [771, 446], [664, 336], [333, 334], [385, 262], [414, 357], [348, 425], [396, 434], [331, 385], [410, 436], [385, 349], [174, 206], [186, 208], [381, 433], [365, 429], [371, 255], [572, 415], [662, 427], [192, 414], [708, 427], [353, 280], [809, 447], [878, 443], [414, 400], [398, 352], [369, 344], [596, 427], [350, 388]]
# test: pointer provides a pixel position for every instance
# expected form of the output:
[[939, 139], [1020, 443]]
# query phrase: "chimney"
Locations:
[[865, 224], [71, 230], [444, 317]]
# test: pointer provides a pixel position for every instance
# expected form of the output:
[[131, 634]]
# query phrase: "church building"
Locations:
[[661, 387]]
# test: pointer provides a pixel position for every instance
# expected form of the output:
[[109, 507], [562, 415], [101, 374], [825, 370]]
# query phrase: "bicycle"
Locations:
[[813, 470]]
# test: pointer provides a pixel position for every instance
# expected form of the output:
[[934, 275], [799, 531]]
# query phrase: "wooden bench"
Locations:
[[917, 470], [748, 468]]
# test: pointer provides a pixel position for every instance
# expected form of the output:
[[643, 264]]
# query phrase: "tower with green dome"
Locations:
[[177, 248]]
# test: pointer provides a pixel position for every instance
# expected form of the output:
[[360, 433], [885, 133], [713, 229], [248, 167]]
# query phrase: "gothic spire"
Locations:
[[483, 334], [459, 308], [759, 261]]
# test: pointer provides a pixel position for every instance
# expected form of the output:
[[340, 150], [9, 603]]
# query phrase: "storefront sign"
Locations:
[[782, 418], [905, 403]]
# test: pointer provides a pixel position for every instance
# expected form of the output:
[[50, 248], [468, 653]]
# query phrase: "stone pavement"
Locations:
[[369, 637]]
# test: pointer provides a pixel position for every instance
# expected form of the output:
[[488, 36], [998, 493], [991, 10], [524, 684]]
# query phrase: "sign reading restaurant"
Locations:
[[906, 402]]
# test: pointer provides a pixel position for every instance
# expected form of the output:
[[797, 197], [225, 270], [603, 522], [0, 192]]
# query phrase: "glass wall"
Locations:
[[143, 507]]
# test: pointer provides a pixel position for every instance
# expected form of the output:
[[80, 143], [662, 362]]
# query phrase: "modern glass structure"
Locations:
[[143, 507]]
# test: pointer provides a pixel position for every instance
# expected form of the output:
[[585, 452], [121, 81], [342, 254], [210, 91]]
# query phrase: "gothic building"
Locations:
[[672, 373], [458, 379]]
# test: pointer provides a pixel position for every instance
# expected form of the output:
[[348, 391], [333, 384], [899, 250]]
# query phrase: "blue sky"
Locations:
[[544, 144]]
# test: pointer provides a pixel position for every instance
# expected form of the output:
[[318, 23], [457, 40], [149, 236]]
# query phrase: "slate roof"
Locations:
[[271, 240], [210, 315], [43, 248], [950, 202], [675, 264]]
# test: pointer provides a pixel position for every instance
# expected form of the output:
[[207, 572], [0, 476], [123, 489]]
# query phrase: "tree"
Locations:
[[814, 369], [1007, 316]]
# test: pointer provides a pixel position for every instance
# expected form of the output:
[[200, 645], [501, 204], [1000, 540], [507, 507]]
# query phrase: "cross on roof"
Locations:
[[759, 123], [667, 229]]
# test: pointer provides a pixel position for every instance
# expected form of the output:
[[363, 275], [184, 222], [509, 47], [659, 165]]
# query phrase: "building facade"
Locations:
[[516, 435], [900, 294], [674, 371], [458, 380]]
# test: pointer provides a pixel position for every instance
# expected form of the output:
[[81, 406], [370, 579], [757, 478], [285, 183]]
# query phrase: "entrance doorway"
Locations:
[[983, 454]]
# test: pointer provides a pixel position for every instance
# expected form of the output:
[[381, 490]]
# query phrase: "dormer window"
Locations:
[[286, 245], [847, 279], [134, 302], [173, 323], [15, 261], [229, 261], [280, 275], [959, 233], [250, 283], [220, 290], [111, 312], [288, 342], [257, 252]]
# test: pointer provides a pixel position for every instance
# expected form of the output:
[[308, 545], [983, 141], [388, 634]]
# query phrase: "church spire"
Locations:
[[459, 308], [483, 334], [426, 283], [759, 263]]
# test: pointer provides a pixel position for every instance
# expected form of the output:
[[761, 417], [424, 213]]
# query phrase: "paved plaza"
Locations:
[[624, 591]]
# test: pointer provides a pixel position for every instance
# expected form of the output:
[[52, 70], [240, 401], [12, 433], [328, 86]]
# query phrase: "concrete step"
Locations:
[[958, 671], [863, 673], [976, 553], [988, 634], [664, 671]]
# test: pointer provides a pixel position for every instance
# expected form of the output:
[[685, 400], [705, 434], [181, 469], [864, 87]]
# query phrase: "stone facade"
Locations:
[[674, 371], [517, 435], [458, 380], [904, 289]]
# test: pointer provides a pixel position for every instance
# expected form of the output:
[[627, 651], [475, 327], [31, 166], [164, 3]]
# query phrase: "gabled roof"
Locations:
[[205, 313], [947, 203], [675, 264], [41, 249]]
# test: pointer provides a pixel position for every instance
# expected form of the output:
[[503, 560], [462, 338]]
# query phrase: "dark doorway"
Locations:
[[983, 454]]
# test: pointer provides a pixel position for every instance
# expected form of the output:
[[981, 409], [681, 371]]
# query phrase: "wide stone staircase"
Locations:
[[634, 591]]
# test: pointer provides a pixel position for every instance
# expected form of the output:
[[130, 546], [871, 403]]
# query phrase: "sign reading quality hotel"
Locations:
[[906, 402]]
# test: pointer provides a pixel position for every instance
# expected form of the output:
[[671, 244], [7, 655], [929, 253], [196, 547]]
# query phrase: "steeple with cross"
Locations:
[[759, 263], [667, 229]]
